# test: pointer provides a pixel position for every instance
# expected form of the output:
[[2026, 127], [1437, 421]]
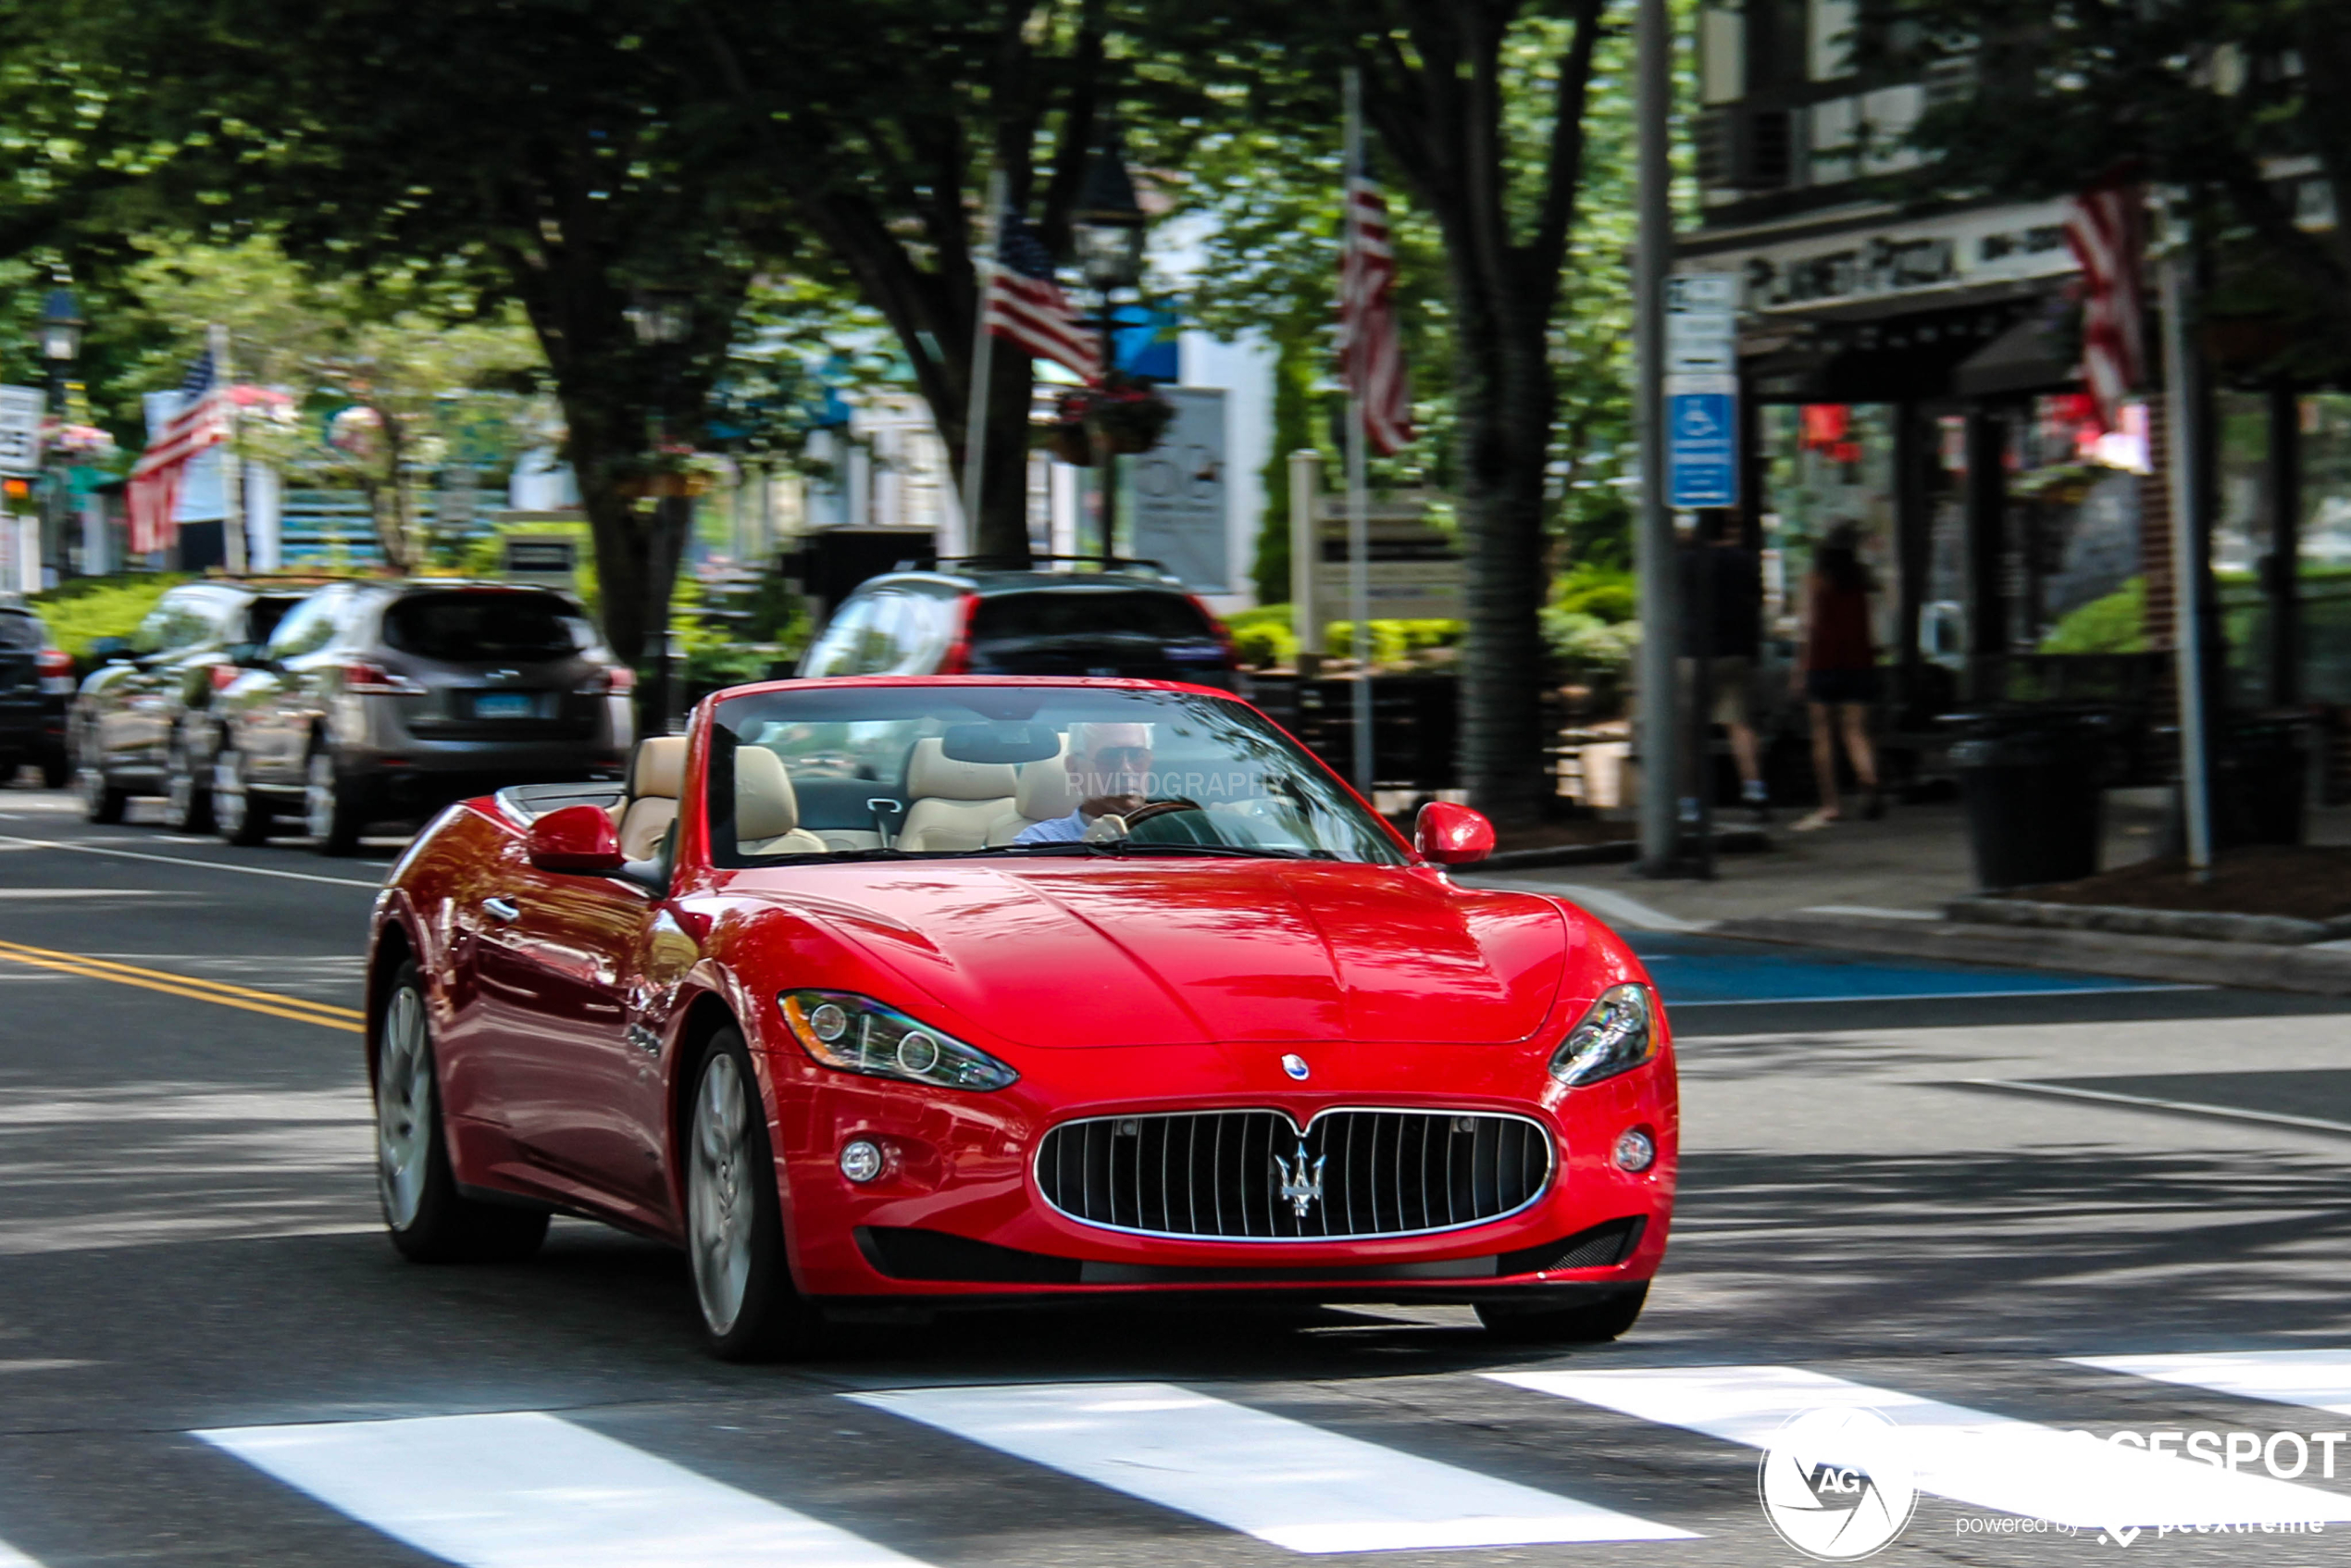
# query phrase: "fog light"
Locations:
[[1636, 1151], [861, 1159]]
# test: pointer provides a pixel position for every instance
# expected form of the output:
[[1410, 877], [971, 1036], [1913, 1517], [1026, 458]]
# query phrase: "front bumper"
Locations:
[[957, 1211]]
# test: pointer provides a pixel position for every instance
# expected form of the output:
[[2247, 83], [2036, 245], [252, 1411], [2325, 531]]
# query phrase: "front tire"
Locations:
[[1594, 1323], [734, 1228], [333, 807], [56, 769], [238, 814], [100, 800], [427, 1218], [187, 789]]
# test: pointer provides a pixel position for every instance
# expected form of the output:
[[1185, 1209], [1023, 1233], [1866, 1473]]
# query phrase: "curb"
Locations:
[[2256, 965], [1730, 840], [2275, 930]]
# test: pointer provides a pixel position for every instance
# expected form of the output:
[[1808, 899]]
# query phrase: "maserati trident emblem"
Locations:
[[1295, 1066], [1302, 1186]]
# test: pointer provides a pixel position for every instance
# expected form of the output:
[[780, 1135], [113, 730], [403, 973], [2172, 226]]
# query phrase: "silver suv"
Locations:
[[374, 701]]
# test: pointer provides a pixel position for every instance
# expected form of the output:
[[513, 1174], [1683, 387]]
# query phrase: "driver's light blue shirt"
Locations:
[[1070, 829]]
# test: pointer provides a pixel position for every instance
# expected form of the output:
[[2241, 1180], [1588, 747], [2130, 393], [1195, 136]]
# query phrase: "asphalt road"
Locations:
[[1942, 1187]]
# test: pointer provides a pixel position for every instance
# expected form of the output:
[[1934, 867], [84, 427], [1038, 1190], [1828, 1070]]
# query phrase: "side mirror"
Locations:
[[109, 651], [575, 839], [1453, 835]]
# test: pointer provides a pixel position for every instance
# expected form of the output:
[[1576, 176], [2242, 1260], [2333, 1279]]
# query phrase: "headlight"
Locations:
[[857, 1034], [1612, 1037]]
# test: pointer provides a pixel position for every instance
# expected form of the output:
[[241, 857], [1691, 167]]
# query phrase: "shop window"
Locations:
[[2323, 572]]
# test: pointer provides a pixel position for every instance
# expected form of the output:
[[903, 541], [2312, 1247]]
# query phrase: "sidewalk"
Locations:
[[1881, 887]]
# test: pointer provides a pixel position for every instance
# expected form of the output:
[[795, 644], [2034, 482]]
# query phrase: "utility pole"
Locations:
[[1656, 733]]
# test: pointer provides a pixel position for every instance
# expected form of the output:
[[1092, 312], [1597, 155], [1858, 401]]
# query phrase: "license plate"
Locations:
[[505, 705]]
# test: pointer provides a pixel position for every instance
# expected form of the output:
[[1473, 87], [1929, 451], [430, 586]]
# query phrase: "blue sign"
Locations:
[[1702, 449]]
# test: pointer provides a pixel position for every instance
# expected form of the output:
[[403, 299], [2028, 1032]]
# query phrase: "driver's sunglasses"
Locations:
[[1122, 756]]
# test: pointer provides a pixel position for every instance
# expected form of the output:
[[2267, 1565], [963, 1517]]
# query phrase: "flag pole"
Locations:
[[1359, 591], [2183, 408], [983, 365], [233, 495]]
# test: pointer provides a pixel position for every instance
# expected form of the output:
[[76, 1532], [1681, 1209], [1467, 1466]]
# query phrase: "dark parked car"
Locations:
[[36, 682], [381, 700], [144, 723], [1132, 620]]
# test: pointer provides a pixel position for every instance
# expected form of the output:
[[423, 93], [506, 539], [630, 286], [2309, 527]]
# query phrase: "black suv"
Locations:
[[1128, 618], [36, 682], [144, 723]]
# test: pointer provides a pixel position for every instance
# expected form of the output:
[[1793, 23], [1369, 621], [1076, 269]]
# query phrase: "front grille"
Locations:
[[1244, 1175]]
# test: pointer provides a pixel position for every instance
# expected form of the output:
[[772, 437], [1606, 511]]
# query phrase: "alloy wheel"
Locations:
[[403, 1108], [719, 1207], [179, 783], [89, 784], [318, 796], [227, 795]]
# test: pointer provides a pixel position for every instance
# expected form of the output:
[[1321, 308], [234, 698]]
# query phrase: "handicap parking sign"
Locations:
[[1701, 446]]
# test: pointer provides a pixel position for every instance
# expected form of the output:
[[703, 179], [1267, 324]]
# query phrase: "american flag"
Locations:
[[1025, 305], [154, 489], [1370, 356], [2103, 226]]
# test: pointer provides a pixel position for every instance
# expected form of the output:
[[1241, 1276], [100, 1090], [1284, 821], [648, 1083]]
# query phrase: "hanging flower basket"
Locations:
[[652, 486], [1069, 443]]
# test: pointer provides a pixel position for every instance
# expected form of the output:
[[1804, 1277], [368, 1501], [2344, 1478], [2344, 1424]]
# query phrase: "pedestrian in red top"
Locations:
[[1836, 670]]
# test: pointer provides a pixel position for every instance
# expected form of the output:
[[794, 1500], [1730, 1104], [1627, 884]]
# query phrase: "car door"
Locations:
[[272, 726], [573, 1074], [133, 719]]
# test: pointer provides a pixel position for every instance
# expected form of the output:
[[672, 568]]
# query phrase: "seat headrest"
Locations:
[[659, 768], [1046, 790], [932, 775], [766, 806]]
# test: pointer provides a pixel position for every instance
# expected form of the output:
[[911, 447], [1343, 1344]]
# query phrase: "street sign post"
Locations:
[[1701, 390], [20, 412]]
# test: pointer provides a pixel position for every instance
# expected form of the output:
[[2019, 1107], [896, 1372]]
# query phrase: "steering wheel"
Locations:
[[1175, 827]]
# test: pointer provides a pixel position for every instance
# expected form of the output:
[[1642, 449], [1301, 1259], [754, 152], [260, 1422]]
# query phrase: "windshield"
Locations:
[[1039, 771], [472, 624]]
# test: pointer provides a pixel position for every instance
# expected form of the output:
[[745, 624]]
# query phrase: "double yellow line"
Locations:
[[273, 1004]]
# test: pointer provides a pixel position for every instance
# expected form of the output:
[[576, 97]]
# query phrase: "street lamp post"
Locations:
[[61, 326], [1108, 229], [663, 318]]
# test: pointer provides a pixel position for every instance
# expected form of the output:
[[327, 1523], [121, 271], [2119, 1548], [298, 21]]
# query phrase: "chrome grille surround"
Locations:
[[1385, 1172]]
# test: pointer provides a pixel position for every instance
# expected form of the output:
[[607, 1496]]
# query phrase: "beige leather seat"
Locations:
[[1046, 791], [767, 810], [951, 806], [656, 775]]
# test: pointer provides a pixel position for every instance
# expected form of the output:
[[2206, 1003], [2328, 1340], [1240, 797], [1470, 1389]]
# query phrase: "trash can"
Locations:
[[2032, 790], [2260, 774]]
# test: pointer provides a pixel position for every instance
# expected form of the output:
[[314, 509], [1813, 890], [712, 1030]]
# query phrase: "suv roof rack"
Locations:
[[1015, 563]]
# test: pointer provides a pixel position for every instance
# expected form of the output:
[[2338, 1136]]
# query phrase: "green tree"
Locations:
[[2041, 97]]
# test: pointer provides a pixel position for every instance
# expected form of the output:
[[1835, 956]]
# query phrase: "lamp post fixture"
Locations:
[[662, 319], [1108, 230], [60, 343]]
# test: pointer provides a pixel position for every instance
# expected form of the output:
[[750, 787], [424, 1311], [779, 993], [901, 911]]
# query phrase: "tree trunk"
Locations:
[[1505, 395]]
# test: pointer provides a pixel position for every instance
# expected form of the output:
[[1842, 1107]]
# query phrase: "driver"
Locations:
[[1109, 768]]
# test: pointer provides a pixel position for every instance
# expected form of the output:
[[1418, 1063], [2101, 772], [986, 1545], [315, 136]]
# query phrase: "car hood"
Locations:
[[1099, 953]]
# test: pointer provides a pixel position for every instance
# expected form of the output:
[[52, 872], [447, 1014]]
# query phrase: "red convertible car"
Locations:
[[920, 993]]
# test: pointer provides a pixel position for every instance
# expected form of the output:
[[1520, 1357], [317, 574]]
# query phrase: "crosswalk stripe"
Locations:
[[2320, 1380], [1282, 1481], [1969, 1456], [528, 1490]]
